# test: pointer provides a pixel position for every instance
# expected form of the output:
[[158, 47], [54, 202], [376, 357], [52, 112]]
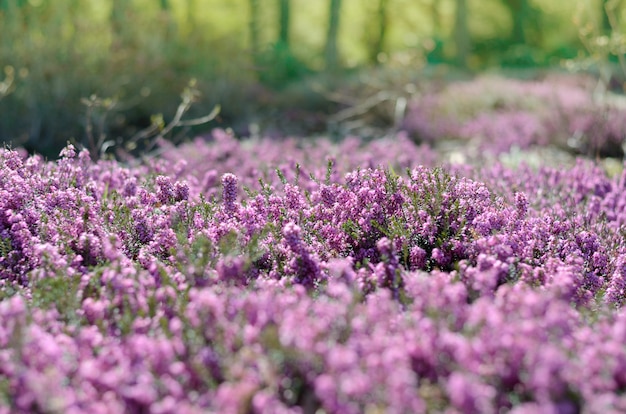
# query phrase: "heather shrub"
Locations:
[[498, 114], [341, 278]]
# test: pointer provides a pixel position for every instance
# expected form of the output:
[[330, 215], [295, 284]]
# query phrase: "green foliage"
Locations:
[[57, 54], [60, 292], [5, 246], [604, 42], [278, 66], [134, 57]]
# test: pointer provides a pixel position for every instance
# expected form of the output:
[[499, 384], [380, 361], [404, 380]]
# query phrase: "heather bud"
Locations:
[[417, 258], [68, 152], [165, 190], [521, 204], [181, 191], [292, 236], [229, 191]]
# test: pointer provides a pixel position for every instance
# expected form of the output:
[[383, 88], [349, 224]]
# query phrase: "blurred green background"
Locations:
[[99, 72]]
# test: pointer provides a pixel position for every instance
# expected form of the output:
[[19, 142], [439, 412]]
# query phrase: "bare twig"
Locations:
[[93, 104], [362, 108], [196, 121], [334, 96], [6, 86], [619, 43], [157, 130]]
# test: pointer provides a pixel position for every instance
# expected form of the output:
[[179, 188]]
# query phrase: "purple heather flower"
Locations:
[[165, 189], [293, 234], [417, 258], [94, 310], [327, 195], [521, 205], [68, 152], [142, 229], [616, 291], [232, 270], [181, 191], [130, 187], [388, 270], [229, 191], [209, 180], [134, 336], [164, 242], [12, 159], [440, 257], [342, 269], [303, 264], [470, 395], [293, 198], [600, 262]]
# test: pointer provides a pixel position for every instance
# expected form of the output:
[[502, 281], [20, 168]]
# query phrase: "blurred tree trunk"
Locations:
[[254, 28], [435, 16], [382, 21], [606, 21], [117, 15], [191, 13], [461, 33], [331, 51], [12, 15], [610, 15], [7, 4], [284, 9], [519, 13], [117, 20], [518, 35], [170, 23]]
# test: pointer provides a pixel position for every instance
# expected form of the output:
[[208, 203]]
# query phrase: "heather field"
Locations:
[[236, 275]]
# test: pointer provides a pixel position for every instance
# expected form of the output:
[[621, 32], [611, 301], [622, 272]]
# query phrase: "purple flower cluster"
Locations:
[[331, 284], [229, 193], [498, 113]]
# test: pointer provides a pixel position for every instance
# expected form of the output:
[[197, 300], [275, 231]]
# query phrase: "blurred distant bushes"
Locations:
[[63, 51], [496, 114], [258, 60]]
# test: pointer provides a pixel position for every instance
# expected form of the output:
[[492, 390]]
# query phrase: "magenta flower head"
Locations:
[[292, 232], [165, 191], [130, 187], [384, 246], [68, 152], [229, 191], [11, 159], [417, 258], [303, 264], [521, 204], [328, 197], [181, 191]]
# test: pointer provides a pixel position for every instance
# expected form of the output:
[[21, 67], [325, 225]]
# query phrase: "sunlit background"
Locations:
[[105, 70]]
